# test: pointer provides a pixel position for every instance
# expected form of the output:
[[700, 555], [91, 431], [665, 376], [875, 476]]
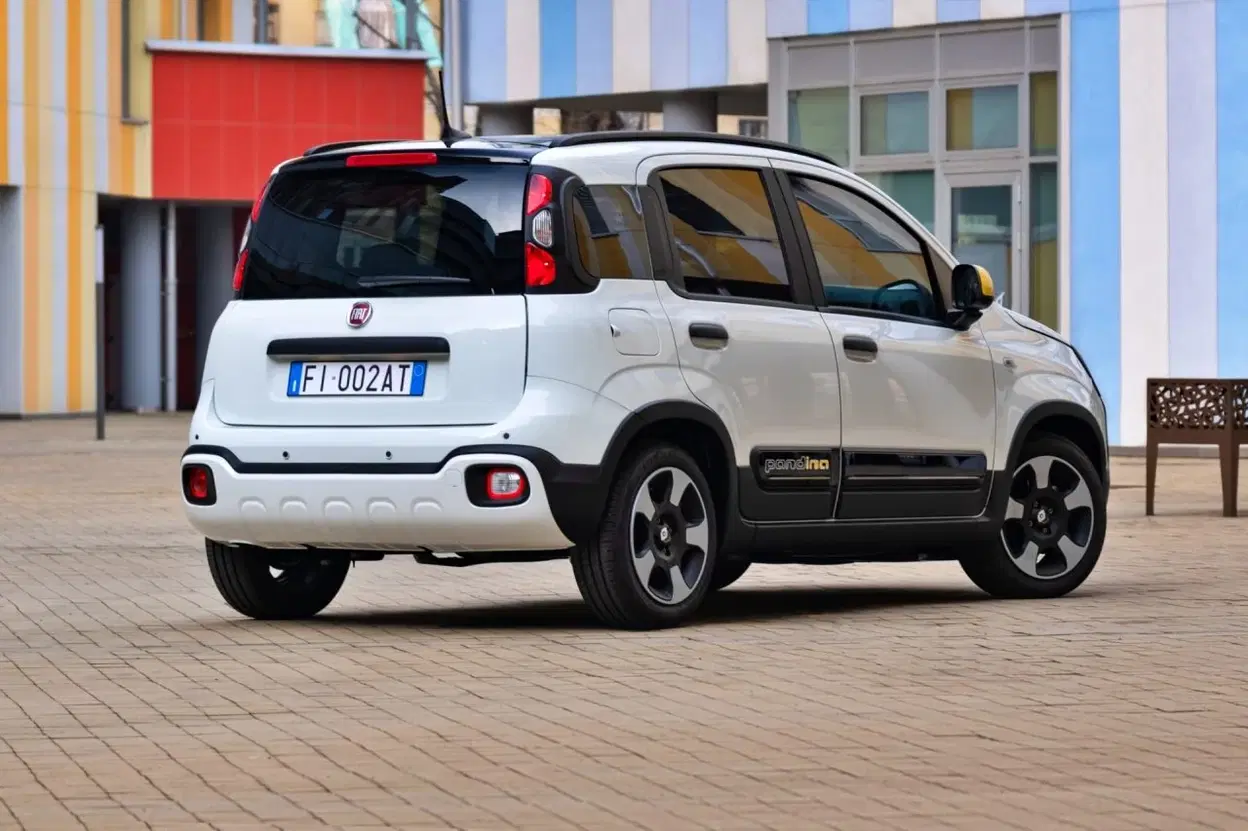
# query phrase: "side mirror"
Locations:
[[973, 292]]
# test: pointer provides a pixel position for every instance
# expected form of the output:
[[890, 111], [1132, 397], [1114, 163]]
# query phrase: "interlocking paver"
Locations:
[[861, 697]]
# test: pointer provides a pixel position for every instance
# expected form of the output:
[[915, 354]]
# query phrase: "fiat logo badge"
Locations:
[[360, 314]]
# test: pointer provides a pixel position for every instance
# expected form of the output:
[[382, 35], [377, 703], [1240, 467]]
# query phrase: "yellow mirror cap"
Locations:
[[985, 282]]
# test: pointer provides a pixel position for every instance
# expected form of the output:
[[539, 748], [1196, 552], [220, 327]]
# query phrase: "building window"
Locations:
[[725, 233], [914, 190], [752, 127], [125, 58], [894, 123], [1044, 114], [819, 121], [1044, 245], [982, 118]]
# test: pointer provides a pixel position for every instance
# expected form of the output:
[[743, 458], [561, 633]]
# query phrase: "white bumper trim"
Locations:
[[369, 511]]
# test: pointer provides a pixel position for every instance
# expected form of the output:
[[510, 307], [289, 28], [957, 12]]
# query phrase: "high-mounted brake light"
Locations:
[[391, 159], [540, 194]]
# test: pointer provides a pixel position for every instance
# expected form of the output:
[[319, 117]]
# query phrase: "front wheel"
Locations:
[[276, 585], [1054, 525], [650, 564]]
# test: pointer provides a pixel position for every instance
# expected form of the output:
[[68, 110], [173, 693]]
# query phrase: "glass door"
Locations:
[[981, 222]]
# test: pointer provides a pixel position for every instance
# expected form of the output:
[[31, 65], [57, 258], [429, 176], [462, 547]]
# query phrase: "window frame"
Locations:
[[1022, 84], [811, 265], [790, 247]]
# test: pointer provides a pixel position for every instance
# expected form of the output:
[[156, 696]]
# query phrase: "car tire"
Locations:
[[669, 535], [1054, 525], [727, 573], [308, 581]]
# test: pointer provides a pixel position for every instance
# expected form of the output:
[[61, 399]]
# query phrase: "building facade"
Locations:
[[134, 136], [1090, 153]]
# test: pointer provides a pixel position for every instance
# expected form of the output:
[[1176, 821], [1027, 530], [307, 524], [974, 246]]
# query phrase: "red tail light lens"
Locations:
[[239, 268], [391, 159], [539, 195], [539, 266]]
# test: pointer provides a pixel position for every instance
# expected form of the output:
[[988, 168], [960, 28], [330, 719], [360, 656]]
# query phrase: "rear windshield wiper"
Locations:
[[416, 280]]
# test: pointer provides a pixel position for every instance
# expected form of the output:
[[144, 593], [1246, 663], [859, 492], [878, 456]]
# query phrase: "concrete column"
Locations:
[[10, 301], [691, 112], [141, 308], [505, 119], [171, 307], [214, 280]]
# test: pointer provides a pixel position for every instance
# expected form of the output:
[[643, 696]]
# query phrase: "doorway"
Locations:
[[979, 216]]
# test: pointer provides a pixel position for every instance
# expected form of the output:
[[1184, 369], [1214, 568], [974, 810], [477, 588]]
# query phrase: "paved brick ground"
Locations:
[[855, 698]]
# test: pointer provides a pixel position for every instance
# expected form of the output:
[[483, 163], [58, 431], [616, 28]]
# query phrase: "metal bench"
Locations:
[[1208, 411]]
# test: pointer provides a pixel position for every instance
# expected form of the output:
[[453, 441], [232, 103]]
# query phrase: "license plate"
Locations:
[[367, 378]]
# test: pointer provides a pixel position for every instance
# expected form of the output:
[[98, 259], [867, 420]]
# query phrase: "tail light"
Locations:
[[241, 266], [539, 265]]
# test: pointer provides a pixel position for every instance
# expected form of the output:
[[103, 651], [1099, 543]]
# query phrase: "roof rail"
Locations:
[[342, 145], [606, 137]]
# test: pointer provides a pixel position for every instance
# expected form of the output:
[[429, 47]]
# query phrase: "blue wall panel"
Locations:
[[708, 43], [872, 14], [1232, 68], [486, 61], [593, 47], [827, 16], [669, 44], [558, 28], [951, 11], [1095, 244]]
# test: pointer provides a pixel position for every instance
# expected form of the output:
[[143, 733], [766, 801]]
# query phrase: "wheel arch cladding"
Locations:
[[1069, 421], [692, 427]]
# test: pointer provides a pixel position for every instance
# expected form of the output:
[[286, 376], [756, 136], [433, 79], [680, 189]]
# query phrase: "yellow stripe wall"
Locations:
[[63, 142]]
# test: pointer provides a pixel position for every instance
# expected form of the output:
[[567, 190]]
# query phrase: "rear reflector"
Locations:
[[391, 159], [197, 485], [505, 484], [539, 266]]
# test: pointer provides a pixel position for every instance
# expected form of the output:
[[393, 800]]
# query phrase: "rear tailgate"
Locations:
[[379, 296]]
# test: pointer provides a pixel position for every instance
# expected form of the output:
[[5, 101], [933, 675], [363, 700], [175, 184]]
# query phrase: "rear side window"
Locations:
[[610, 232], [725, 233], [444, 229]]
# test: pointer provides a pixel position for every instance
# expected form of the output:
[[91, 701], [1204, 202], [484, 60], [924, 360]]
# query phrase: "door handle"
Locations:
[[860, 344], [708, 332]]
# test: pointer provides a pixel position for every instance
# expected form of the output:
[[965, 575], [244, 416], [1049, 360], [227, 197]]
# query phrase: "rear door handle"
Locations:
[[717, 334], [863, 346]]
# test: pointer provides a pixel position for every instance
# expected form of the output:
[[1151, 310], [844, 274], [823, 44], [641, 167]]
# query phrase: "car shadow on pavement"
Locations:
[[730, 606]]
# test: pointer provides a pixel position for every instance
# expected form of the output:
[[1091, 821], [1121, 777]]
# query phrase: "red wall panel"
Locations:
[[220, 122]]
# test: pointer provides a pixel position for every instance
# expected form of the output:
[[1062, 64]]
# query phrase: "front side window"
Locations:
[[610, 231], [725, 233], [867, 260]]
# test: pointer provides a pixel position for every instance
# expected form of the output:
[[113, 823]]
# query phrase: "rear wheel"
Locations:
[[276, 585], [650, 564], [1054, 525]]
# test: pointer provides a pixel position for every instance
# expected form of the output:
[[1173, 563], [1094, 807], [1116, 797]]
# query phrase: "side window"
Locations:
[[866, 259], [725, 233], [610, 232]]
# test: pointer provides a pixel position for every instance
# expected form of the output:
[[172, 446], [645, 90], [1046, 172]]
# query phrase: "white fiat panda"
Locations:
[[661, 356]]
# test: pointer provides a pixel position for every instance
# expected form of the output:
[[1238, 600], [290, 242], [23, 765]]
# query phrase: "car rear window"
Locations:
[[445, 229]]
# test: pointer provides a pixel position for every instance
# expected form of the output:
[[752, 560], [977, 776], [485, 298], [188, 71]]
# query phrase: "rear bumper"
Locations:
[[400, 508]]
